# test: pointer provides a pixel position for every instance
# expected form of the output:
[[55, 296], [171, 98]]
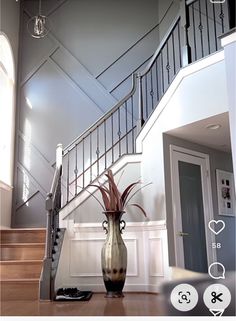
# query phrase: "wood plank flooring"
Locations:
[[133, 304]]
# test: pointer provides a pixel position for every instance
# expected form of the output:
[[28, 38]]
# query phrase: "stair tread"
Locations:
[[33, 230], [22, 244], [22, 280], [19, 262]]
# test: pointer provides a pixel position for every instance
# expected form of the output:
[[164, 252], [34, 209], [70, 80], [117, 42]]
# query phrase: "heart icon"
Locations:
[[216, 226]]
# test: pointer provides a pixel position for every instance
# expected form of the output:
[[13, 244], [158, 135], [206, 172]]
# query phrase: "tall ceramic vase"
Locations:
[[114, 255]]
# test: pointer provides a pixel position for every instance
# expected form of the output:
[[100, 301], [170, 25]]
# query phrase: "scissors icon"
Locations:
[[216, 297]]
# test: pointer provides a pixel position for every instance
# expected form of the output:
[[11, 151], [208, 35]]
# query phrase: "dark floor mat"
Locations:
[[72, 294]]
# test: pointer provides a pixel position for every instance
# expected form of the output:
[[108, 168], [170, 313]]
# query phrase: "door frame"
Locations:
[[194, 157]]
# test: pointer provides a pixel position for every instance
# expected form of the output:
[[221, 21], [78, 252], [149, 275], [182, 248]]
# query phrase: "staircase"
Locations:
[[192, 35], [22, 252], [104, 143]]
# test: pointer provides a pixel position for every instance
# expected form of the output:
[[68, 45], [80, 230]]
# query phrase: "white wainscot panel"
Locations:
[[156, 257], [132, 257], [85, 257]]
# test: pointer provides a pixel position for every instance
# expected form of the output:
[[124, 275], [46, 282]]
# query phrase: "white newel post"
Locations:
[[59, 152]]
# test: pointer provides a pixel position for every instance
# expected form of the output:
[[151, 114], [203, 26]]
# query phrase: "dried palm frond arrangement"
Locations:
[[113, 199]]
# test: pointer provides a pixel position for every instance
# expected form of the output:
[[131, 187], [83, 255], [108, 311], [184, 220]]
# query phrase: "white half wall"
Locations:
[[80, 261], [197, 92], [5, 205], [84, 208], [228, 41]]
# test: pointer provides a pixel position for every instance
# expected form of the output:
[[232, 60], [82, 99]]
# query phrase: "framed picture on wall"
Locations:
[[225, 193]]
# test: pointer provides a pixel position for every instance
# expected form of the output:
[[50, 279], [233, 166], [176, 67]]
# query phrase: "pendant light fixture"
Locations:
[[38, 25]]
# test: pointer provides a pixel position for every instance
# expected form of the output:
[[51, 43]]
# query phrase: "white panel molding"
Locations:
[[152, 267], [132, 247], [132, 270], [83, 270], [130, 226], [5, 186], [80, 262]]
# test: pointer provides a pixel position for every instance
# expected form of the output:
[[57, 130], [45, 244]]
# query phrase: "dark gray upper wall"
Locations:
[[9, 24], [218, 160], [72, 77]]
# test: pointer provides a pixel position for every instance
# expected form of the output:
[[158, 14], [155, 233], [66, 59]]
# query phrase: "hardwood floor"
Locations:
[[133, 304]]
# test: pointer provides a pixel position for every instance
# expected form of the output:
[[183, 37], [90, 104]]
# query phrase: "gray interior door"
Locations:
[[192, 211]]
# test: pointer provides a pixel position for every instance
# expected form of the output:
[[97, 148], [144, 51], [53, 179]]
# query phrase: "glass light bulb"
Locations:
[[39, 27]]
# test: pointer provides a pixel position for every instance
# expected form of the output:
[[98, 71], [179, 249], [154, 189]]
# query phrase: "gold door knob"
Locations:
[[183, 234]]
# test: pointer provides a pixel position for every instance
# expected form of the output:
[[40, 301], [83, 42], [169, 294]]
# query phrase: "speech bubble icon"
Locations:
[[215, 272]]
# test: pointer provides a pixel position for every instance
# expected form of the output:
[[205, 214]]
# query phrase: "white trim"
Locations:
[[127, 288], [184, 72], [228, 39], [5, 186], [137, 226], [84, 195], [202, 160], [151, 273]]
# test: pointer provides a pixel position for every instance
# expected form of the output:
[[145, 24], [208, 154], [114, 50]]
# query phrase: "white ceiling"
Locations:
[[198, 133]]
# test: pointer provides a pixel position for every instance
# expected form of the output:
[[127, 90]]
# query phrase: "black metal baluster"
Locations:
[[180, 60], [140, 120], [68, 177], [119, 132], [146, 96], [126, 127], [167, 64], [105, 144], [194, 34], [83, 160], [151, 91], [221, 16], [208, 35], [112, 140], [214, 20], [90, 155], [200, 27], [173, 50], [157, 80], [97, 151], [76, 168], [132, 122], [162, 74]]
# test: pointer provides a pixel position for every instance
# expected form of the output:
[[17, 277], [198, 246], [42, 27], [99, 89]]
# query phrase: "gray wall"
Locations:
[[218, 160], [71, 77]]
